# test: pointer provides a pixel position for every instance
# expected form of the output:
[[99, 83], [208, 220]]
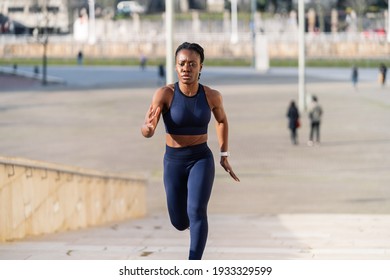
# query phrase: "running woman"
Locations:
[[189, 170]]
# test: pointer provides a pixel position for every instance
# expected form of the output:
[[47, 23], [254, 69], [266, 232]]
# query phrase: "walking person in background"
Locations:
[[293, 122], [315, 114], [382, 74], [355, 76], [161, 75], [189, 171], [80, 58], [142, 61]]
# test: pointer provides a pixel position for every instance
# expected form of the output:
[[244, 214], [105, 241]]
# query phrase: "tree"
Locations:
[[360, 8]]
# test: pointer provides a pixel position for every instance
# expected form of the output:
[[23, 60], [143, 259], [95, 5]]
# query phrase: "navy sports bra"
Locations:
[[187, 115]]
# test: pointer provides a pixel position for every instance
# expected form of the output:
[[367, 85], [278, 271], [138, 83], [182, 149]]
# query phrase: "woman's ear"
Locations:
[[200, 71]]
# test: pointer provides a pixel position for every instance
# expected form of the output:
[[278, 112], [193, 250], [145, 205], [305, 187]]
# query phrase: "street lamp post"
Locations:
[[45, 42], [44, 60]]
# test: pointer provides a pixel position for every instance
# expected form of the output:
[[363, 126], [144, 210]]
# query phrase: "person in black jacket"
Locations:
[[382, 73], [293, 122]]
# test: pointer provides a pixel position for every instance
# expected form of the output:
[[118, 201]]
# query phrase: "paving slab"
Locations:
[[243, 237]]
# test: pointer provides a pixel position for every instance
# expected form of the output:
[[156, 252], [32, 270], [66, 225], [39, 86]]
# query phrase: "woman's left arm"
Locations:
[[222, 128]]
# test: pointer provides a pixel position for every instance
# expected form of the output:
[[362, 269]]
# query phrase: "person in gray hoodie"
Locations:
[[315, 115]]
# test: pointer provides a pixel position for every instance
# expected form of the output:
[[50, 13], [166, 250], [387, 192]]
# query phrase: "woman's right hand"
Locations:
[[150, 121]]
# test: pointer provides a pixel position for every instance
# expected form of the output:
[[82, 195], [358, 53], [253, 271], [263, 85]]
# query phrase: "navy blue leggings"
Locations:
[[188, 179]]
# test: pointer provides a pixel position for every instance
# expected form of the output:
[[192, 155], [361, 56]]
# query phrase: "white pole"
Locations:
[[301, 63], [169, 12], [253, 30], [388, 21], [234, 35], [91, 29]]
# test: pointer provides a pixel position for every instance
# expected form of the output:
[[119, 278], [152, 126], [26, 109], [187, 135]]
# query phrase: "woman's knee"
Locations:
[[180, 224], [181, 227], [197, 213]]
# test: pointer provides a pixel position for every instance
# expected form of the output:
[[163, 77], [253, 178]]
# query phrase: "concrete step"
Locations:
[[244, 237]]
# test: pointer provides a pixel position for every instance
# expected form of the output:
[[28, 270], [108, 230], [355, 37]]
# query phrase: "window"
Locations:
[[15, 9], [35, 9], [53, 9]]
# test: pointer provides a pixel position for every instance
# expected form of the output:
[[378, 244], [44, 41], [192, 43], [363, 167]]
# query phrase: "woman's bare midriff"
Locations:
[[179, 141]]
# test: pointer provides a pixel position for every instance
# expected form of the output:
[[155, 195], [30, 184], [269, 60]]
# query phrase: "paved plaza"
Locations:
[[293, 202]]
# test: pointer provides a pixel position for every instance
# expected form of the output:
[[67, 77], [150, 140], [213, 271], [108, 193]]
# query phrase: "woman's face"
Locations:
[[188, 66]]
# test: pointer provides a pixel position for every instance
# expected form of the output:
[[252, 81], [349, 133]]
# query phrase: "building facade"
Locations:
[[38, 14]]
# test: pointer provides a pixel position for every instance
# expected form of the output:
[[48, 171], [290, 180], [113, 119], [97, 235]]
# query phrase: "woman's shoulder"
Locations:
[[164, 94], [165, 91], [167, 88], [210, 92], [214, 97]]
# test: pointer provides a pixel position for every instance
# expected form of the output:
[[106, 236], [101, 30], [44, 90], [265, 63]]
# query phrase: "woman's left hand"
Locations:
[[225, 164]]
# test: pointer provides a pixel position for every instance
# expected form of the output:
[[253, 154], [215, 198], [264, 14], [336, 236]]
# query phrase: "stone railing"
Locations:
[[217, 45], [39, 198]]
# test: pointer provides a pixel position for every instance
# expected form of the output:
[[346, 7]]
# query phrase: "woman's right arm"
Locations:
[[153, 114]]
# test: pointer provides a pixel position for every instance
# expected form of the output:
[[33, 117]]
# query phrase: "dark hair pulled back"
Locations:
[[193, 47]]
